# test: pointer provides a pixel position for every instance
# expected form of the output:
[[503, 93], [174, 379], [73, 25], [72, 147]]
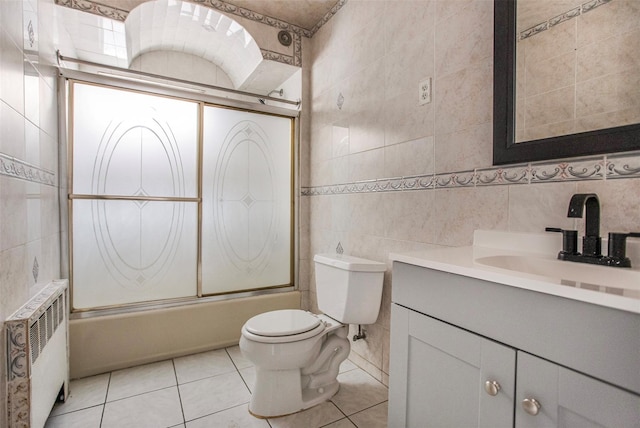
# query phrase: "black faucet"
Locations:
[[591, 242]]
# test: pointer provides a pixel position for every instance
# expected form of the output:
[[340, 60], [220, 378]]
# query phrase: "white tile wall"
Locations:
[[29, 214]]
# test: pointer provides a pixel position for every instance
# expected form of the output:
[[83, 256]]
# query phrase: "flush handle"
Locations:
[[492, 387], [531, 406]]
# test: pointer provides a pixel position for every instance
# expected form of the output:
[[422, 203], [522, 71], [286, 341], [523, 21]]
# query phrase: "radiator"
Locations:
[[37, 350]]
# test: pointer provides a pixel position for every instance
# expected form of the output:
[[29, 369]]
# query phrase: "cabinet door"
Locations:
[[438, 374], [570, 399]]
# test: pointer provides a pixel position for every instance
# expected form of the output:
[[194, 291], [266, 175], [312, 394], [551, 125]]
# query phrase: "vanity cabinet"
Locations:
[[570, 399], [467, 352], [439, 373]]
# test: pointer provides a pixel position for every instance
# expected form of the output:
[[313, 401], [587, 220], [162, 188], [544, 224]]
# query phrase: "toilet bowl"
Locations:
[[297, 354]]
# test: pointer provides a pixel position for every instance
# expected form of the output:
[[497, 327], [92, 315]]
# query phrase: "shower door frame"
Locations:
[[66, 81]]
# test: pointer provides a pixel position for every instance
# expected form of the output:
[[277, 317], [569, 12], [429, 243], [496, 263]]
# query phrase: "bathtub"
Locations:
[[111, 342]]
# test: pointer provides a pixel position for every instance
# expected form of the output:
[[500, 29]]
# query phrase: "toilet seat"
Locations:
[[288, 325]]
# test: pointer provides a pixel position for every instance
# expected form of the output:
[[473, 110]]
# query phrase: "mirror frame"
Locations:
[[505, 150]]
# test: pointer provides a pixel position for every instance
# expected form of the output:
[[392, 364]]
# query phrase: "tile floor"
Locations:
[[208, 390]]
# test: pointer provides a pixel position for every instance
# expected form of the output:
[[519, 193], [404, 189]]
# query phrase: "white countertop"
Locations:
[[545, 247]]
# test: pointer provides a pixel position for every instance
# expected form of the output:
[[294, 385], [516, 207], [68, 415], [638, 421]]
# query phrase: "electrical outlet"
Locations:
[[424, 91]]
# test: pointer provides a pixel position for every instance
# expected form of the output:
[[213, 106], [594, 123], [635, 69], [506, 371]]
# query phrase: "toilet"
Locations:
[[297, 354]]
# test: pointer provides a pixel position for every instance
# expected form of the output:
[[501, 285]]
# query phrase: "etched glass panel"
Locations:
[[138, 146], [246, 201], [133, 251], [132, 144]]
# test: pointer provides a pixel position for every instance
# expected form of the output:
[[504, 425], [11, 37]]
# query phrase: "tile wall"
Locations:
[[29, 209], [386, 174]]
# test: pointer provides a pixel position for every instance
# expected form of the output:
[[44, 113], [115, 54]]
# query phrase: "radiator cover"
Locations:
[[37, 350]]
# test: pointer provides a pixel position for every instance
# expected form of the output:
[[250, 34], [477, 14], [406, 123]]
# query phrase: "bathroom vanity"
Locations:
[[488, 335]]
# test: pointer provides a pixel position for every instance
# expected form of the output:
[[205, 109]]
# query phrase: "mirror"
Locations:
[[563, 136]]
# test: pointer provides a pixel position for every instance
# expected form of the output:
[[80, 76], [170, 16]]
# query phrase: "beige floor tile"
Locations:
[[358, 391], [235, 417], [249, 376], [374, 417], [342, 423], [317, 416], [151, 410], [85, 418], [346, 366], [200, 366], [141, 379], [84, 393], [213, 394], [238, 359], [209, 389]]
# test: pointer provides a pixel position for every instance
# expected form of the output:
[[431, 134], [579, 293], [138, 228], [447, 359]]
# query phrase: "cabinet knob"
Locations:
[[531, 406], [492, 387]]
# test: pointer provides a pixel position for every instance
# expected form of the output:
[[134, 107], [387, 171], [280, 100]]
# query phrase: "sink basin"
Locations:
[[620, 281]]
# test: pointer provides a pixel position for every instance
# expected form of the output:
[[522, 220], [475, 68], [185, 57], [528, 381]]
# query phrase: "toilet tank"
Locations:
[[349, 289]]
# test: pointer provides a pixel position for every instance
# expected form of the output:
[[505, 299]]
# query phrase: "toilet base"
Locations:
[[313, 399], [285, 384], [282, 392]]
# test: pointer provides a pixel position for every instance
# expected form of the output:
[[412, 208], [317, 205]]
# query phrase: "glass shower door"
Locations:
[[175, 199], [134, 197], [246, 201]]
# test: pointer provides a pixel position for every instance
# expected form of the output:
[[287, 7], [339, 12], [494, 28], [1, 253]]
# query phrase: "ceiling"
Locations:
[[178, 25], [302, 13]]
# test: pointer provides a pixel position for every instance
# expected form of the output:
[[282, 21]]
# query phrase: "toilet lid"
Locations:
[[285, 322]]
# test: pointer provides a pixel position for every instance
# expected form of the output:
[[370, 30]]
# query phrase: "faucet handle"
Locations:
[[569, 241], [618, 248]]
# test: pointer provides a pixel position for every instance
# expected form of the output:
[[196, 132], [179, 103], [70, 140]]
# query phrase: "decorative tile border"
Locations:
[[517, 174], [278, 57], [570, 14], [416, 182], [622, 166], [327, 17], [626, 165], [455, 179], [230, 9], [253, 16], [16, 168], [95, 8], [580, 169], [297, 50]]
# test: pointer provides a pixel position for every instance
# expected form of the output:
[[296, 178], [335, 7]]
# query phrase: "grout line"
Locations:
[[142, 393], [175, 374], [104, 404], [364, 410], [340, 410], [238, 371]]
